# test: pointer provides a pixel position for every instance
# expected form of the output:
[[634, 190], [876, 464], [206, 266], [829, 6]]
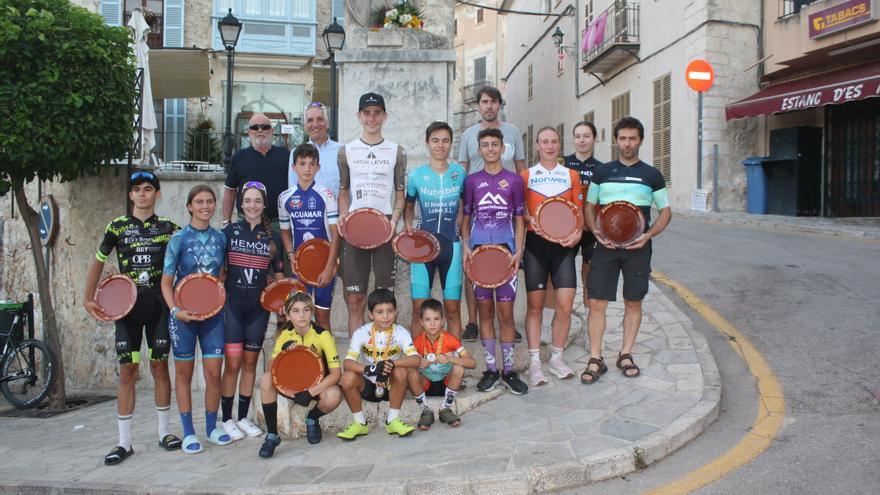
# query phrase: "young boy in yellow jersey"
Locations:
[[388, 352], [443, 361], [300, 330]]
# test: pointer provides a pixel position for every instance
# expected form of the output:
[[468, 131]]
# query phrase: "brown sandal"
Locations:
[[625, 368], [593, 375]]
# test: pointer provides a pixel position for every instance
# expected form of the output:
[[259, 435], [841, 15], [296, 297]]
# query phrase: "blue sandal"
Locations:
[[191, 445], [218, 437]]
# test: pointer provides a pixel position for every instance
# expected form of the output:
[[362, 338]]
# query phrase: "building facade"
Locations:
[[818, 109], [635, 65]]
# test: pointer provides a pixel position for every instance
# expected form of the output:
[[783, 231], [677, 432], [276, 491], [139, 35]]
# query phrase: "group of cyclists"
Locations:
[[489, 196]]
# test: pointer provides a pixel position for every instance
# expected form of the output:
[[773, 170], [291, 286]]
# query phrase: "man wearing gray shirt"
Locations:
[[317, 127], [489, 103]]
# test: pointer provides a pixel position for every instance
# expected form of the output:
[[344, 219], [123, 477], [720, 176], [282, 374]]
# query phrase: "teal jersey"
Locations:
[[438, 197], [639, 184]]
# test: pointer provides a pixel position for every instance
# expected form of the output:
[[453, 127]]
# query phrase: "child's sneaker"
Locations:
[[231, 428], [313, 431], [449, 417], [268, 448], [426, 419], [399, 428], [514, 384], [559, 368], [249, 428], [536, 376], [487, 383], [353, 431]]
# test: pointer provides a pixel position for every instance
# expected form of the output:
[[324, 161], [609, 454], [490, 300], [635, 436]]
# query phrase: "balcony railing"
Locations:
[[469, 92], [620, 40], [792, 7]]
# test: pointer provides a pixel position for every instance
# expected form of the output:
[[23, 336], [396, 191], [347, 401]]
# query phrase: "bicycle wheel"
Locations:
[[27, 372]]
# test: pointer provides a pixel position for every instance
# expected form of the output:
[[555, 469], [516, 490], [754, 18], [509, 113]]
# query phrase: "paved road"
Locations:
[[809, 303]]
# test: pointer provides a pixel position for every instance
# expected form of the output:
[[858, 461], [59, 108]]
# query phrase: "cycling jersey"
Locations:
[[446, 343], [492, 202], [391, 344], [372, 173], [640, 184], [317, 339], [247, 257], [438, 196], [309, 213], [559, 181], [140, 247], [585, 169], [191, 250]]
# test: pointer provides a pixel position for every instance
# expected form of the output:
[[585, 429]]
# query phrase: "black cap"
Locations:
[[141, 176], [371, 99]]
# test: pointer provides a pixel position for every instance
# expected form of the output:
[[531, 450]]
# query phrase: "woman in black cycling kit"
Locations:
[[252, 250]]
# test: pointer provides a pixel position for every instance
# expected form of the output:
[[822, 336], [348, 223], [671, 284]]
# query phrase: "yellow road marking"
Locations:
[[771, 402]]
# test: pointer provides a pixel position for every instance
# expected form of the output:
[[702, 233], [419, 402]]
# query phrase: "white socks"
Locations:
[[535, 355], [392, 415], [359, 417], [124, 431], [555, 352], [162, 414]]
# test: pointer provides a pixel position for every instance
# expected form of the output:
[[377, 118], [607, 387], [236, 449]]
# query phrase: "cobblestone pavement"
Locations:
[[559, 435]]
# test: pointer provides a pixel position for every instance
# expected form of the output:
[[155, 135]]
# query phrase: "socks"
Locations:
[[315, 413], [489, 348], [422, 401], [244, 406], [226, 407], [359, 417], [210, 421], [535, 356], [507, 356], [450, 396], [555, 352], [270, 411], [392, 415], [124, 431], [186, 418], [163, 415]]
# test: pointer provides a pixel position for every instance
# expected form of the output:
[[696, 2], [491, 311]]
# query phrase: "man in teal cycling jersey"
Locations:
[[625, 179], [437, 186]]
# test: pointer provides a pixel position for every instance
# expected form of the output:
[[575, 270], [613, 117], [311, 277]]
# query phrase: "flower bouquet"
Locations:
[[402, 14]]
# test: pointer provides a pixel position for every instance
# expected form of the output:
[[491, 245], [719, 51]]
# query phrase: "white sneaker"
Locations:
[[249, 428], [230, 428], [560, 369], [536, 376]]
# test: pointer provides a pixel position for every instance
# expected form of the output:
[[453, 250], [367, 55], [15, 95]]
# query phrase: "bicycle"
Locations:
[[27, 369]]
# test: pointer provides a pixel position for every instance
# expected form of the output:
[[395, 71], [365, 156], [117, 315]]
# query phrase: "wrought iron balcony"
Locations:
[[619, 41], [469, 92]]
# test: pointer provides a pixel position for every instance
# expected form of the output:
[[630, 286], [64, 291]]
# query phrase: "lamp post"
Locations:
[[334, 40], [230, 28]]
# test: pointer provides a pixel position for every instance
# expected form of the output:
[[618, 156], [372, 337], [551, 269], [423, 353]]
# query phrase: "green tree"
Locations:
[[202, 143], [67, 91]]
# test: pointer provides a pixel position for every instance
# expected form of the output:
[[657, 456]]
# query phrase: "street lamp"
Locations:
[[334, 40], [558, 38], [230, 29]]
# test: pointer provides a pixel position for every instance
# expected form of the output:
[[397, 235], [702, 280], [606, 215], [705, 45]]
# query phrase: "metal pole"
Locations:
[[700, 140], [227, 135], [334, 100], [715, 178]]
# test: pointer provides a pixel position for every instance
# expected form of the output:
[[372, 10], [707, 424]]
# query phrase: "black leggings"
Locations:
[[543, 258]]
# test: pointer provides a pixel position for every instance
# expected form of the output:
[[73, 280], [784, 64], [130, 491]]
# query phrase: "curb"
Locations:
[[782, 224]]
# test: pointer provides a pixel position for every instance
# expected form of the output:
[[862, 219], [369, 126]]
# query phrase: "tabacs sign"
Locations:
[[839, 17]]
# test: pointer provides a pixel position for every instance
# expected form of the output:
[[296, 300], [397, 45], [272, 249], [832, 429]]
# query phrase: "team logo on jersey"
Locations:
[[492, 199], [482, 185], [539, 172], [454, 176], [295, 202], [312, 203], [143, 278], [308, 236], [503, 183], [306, 221], [371, 155]]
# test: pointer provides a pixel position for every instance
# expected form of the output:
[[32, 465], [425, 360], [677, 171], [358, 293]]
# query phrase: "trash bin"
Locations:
[[756, 185]]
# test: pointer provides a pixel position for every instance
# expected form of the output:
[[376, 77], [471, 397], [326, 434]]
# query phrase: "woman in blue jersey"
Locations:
[[197, 248], [253, 251], [438, 187]]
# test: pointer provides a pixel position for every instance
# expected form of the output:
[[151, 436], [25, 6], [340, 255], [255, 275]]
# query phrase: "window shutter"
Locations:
[[175, 128], [662, 128], [619, 110], [479, 69], [173, 20], [112, 12], [339, 11]]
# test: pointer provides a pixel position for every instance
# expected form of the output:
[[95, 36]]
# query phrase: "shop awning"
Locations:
[[833, 88], [179, 73]]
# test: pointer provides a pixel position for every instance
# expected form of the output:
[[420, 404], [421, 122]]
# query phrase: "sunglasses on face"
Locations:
[[142, 175], [260, 127], [316, 104], [253, 185]]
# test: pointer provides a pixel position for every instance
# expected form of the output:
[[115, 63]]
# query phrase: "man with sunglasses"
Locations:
[[260, 162], [316, 125], [139, 240]]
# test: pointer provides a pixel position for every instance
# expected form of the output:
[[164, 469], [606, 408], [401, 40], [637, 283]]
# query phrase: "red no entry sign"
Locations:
[[699, 75]]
